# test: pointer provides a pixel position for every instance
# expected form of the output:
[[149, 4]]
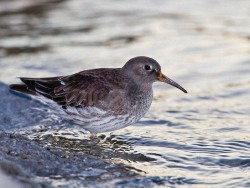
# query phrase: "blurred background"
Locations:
[[197, 139]]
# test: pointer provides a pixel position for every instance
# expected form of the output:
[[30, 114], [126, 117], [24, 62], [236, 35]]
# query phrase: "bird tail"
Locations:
[[37, 86], [22, 88]]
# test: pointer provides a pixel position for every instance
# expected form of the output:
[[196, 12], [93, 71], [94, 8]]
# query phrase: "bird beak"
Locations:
[[163, 78]]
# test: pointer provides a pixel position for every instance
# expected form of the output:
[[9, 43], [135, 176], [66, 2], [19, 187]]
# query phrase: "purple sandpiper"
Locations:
[[105, 99]]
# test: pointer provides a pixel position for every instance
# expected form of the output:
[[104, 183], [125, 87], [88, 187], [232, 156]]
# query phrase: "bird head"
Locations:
[[145, 71]]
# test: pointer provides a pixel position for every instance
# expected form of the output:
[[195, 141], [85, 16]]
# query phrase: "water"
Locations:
[[199, 139]]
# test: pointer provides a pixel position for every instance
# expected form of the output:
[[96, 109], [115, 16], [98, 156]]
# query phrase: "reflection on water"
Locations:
[[198, 139]]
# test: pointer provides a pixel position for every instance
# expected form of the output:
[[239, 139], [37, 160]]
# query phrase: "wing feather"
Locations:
[[85, 88], [75, 90]]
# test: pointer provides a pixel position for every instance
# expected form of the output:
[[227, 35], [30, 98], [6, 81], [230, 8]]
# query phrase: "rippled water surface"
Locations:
[[199, 139]]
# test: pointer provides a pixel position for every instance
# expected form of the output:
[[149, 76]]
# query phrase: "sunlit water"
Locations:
[[197, 139]]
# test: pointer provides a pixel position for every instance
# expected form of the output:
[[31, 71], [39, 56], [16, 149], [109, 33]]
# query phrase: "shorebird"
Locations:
[[104, 99]]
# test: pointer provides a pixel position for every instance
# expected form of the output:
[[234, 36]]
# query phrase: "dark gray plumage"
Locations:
[[102, 100]]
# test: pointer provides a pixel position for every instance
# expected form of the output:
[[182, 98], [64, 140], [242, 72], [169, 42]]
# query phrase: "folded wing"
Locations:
[[75, 90]]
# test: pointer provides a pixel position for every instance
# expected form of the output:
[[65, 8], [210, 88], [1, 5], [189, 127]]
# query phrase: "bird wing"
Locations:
[[81, 89]]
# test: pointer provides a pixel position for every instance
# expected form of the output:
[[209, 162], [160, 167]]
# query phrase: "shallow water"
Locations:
[[199, 139]]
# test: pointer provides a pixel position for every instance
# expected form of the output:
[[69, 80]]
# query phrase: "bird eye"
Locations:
[[147, 67]]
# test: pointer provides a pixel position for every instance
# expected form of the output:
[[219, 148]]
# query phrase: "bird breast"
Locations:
[[142, 104]]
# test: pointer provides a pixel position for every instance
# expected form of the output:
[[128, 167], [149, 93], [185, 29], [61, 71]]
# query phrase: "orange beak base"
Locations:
[[163, 78]]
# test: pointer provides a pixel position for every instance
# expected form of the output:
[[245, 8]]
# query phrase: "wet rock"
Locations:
[[54, 162], [13, 176]]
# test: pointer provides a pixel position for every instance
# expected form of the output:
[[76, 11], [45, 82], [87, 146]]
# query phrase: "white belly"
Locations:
[[96, 120]]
